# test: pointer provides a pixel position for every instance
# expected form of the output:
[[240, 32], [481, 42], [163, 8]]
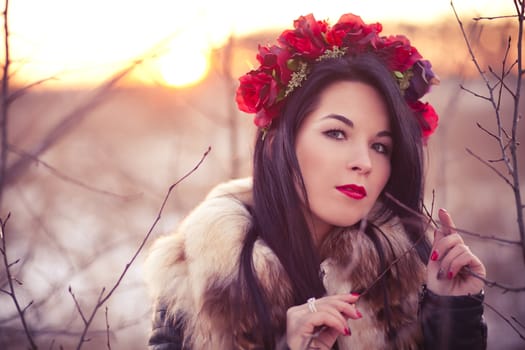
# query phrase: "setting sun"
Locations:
[[182, 68]]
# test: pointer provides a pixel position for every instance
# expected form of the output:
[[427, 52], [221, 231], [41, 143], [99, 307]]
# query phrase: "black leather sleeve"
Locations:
[[452, 322], [166, 334]]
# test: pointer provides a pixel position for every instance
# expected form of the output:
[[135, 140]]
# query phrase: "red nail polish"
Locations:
[[355, 294], [434, 256], [358, 314], [450, 275], [347, 331]]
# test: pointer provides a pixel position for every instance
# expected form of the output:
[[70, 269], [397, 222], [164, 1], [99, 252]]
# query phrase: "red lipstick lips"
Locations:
[[353, 191]]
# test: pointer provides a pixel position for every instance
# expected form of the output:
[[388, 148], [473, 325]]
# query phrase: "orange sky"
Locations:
[[79, 42]]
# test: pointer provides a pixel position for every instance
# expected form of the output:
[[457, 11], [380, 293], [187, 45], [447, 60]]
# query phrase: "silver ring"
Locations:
[[311, 304]]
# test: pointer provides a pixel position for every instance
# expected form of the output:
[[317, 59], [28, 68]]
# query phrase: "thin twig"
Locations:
[[470, 50], [143, 243], [102, 299], [490, 283], [77, 305], [11, 292], [491, 167], [510, 165], [4, 108], [518, 322], [88, 322], [503, 318], [487, 282], [520, 9], [69, 179], [494, 17], [20, 92], [486, 131], [107, 329], [475, 93], [70, 120]]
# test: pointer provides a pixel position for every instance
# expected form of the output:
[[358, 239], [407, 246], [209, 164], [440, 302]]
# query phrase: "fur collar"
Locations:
[[194, 272]]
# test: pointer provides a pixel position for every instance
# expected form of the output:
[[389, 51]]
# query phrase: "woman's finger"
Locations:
[[447, 225], [466, 258], [451, 258], [442, 246], [343, 308]]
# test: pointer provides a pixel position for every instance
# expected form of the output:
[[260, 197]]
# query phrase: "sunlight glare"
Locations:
[[58, 38], [186, 64]]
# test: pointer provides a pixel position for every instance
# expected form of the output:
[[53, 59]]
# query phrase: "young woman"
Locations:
[[325, 246]]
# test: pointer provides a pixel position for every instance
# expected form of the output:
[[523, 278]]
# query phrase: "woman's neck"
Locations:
[[319, 231]]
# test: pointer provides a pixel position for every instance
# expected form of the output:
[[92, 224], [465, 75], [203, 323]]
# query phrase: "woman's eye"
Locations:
[[381, 148], [336, 134]]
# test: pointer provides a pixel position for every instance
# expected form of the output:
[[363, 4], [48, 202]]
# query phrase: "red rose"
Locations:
[[307, 39], [273, 59], [264, 117], [350, 31], [426, 115], [256, 89], [398, 53]]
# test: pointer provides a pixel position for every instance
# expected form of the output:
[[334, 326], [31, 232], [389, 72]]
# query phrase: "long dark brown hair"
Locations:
[[278, 218]]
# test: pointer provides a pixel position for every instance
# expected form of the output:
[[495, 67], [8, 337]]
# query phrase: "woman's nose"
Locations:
[[360, 160]]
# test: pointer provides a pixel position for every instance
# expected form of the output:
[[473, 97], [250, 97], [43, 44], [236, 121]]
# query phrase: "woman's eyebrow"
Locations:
[[341, 118]]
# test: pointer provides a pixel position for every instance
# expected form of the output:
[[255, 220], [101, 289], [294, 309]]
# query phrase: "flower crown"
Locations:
[[285, 66]]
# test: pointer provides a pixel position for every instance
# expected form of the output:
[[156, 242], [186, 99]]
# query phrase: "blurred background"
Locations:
[[111, 102]]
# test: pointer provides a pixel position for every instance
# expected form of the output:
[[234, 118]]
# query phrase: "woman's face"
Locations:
[[343, 147]]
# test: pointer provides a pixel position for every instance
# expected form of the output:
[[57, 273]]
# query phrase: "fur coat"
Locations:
[[193, 272]]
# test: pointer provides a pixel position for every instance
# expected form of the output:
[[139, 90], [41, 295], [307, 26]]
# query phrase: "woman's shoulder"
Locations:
[[224, 212], [239, 189]]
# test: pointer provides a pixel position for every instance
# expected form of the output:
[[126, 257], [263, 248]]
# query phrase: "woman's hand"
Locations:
[[318, 325], [448, 257]]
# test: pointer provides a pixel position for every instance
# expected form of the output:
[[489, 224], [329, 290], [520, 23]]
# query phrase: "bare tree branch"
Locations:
[[490, 283], [486, 131], [102, 299], [475, 93], [491, 167], [69, 179], [505, 319], [65, 125], [494, 17], [510, 165], [4, 118], [70, 120], [107, 329], [11, 292], [77, 305], [22, 91], [520, 8]]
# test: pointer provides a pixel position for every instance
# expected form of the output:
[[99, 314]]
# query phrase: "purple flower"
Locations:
[[421, 81]]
